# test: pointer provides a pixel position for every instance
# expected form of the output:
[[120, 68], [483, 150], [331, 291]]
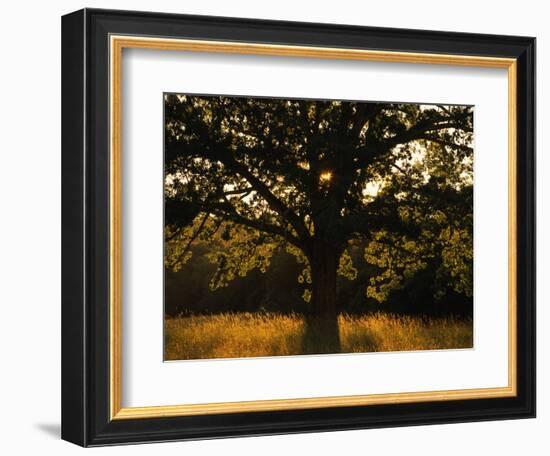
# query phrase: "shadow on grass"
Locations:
[[320, 336]]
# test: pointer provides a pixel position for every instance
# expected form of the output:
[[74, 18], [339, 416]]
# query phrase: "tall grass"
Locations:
[[235, 335]]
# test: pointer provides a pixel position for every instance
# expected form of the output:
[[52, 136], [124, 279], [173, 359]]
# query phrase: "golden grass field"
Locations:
[[235, 335]]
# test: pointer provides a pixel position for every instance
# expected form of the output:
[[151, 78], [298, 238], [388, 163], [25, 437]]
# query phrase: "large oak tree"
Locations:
[[312, 177]]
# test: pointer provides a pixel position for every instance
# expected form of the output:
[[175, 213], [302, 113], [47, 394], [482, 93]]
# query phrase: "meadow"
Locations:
[[235, 335]]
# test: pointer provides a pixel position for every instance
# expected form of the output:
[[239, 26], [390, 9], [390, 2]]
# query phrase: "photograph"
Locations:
[[312, 226]]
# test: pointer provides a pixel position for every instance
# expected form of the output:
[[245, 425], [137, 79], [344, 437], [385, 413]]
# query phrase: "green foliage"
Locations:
[[397, 258], [240, 254], [240, 248], [457, 260], [446, 247], [260, 176]]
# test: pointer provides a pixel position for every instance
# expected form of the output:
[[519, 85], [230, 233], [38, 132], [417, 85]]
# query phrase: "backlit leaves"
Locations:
[[256, 175]]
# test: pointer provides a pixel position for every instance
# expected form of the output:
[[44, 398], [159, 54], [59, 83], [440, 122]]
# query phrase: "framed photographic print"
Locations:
[[275, 227]]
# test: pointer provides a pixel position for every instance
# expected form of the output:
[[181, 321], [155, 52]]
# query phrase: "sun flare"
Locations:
[[325, 177]]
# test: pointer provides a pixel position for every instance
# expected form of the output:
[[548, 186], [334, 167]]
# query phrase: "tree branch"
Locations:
[[229, 211], [450, 144], [193, 238], [245, 191], [263, 190]]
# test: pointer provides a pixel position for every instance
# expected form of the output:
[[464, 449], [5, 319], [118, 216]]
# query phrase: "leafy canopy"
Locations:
[[263, 175]]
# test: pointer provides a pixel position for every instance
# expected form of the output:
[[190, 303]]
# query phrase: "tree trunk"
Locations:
[[321, 331]]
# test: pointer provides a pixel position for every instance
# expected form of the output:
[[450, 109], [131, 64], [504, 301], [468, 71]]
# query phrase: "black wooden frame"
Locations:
[[85, 223]]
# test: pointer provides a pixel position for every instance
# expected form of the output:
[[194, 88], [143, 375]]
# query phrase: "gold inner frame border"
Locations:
[[116, 46]]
